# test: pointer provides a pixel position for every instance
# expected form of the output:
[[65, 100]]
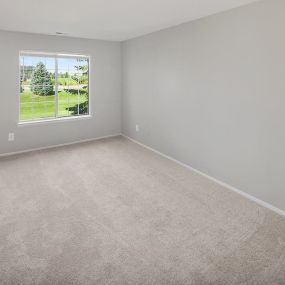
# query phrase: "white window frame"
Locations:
[[56, 118]]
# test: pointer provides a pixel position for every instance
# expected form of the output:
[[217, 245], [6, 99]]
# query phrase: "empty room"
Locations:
[[142, 142]]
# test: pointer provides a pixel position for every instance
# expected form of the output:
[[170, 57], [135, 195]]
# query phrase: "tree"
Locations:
[[41, 83], [82, 71]]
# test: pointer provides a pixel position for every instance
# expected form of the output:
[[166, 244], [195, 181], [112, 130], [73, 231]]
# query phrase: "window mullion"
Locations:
[[56, 86]]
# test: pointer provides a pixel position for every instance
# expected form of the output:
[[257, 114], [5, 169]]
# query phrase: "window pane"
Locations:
[[37, 91], [73, 86], [73, 101], [65, 101], [84, 101], [34, 105]]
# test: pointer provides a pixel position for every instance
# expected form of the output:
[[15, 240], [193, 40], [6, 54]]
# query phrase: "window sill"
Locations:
[[53, 120]]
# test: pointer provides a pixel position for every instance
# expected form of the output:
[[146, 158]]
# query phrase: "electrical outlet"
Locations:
[[137, 128], [11, 137]]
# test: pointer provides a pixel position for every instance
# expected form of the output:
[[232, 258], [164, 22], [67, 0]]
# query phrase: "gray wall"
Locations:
[[105, 91], [211, 93]]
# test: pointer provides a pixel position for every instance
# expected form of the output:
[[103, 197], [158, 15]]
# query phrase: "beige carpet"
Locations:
[[112, 212]]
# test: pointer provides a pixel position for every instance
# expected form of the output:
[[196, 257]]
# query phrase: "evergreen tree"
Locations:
[[41, 83]]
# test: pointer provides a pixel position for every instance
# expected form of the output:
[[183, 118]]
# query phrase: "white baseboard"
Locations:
[[230, 187], [57, 145]]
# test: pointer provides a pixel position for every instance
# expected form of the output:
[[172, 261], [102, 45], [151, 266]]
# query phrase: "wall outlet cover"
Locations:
[[11, 137]]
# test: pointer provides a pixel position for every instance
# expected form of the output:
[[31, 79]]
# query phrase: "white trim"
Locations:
[[229, 187], [53, 120], [57, 145], [52, 54]]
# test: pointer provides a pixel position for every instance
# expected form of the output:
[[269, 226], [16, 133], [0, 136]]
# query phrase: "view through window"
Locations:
[[53, 86]]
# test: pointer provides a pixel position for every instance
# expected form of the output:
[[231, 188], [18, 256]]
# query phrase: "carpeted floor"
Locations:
[[112, 212]]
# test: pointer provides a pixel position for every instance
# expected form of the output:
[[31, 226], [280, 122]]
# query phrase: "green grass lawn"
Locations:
[[66, 81], [38, 107]]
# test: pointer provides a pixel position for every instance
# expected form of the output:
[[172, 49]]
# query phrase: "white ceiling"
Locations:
[[116, 20]]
